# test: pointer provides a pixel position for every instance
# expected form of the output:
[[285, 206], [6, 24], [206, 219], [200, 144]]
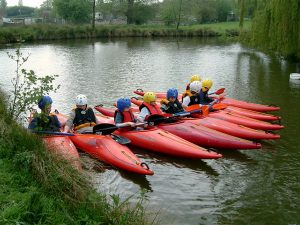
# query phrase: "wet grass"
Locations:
[[58, 32], [37, 187]]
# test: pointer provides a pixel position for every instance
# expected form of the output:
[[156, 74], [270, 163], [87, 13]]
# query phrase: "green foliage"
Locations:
[[28, 87], [276, 27], [75, 11], [38, 187], [20, 11]]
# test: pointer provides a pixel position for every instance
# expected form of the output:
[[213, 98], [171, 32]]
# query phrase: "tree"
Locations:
[[3, 5], [28, 87], [24, 11], [276, 27], [76, 11]]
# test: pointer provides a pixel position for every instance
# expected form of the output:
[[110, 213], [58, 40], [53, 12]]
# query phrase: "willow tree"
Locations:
[[276, 27]]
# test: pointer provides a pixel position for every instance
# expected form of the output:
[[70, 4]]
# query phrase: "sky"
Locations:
[[31, 3]]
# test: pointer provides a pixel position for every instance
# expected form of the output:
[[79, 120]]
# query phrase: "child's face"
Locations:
[[172, 99]]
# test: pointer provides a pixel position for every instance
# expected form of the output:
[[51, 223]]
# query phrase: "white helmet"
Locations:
[[81, 100], [195, 86]]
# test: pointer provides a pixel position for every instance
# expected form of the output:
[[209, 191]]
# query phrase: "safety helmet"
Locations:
[[149, 97], [81, 100], [44, 101], [172, 93], [195, 86], [207, 83], [195, 78], [123, 103]]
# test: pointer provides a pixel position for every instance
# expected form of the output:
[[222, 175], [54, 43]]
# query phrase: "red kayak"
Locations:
[[245, 121], [63, 146], [233, 118], [228, 101], [108, 150], [199, 134], [161, 141], [252, 114]]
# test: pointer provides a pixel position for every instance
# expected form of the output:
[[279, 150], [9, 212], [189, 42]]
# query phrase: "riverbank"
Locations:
[[58, 32], [39, 188]]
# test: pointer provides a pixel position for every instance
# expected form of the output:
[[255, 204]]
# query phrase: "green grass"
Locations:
[[57, 32], [37, 187]]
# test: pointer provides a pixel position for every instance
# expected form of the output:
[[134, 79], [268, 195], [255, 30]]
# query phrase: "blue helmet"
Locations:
[[123, 103], [45, 100], [172, 93]]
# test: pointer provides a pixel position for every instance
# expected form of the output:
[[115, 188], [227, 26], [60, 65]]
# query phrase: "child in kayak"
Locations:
[[148, 107], [82, 118], [204, 98], [123, 114], [45, 121], [192, 97], [171, 104], [193, 78]]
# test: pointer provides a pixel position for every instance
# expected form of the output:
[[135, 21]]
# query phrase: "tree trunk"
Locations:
[[129, 12], [179, 15], [94, 14], [242, 14]]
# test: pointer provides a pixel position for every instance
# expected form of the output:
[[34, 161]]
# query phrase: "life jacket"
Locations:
[[171, 107], [187, 87], [84, 118], [127, 116], [153, 109], [194, 98], [186, 93], [204, 99], [47, 123]]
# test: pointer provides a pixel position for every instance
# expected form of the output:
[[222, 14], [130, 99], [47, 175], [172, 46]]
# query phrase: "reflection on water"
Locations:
[[261, 186]]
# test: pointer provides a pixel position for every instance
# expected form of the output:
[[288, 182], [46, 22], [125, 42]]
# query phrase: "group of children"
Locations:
[[82, 118]]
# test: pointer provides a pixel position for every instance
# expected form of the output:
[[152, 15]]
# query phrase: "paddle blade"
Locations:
[[193, 108], [120, 139], [220, 91], [219, 106], [205, 110], [104, 128]]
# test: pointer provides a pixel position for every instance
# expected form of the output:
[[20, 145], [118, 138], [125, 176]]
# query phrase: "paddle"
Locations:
[[216, 106], [52, 133], [194, 109], [107, 128], [218, 92]]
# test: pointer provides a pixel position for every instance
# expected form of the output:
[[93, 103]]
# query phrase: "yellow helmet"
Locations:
[[149, 97], [195, 78], [207, 83]]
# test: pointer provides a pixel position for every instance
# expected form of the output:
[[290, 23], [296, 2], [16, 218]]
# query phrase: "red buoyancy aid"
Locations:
[[127, 115], [153, 109]]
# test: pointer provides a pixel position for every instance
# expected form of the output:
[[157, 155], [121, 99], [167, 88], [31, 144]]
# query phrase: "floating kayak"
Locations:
[[63, 146], [234, 118], [212, 123], [252, 114], [108, 150], [199, 134], [245, 121], [157, 140], [228, 101]]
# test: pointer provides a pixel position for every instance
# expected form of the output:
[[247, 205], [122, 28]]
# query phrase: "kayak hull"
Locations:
[[108, 150], [228, 101], [161, 141], [207, 137], [200, 135], [63, 146], [245, 121]]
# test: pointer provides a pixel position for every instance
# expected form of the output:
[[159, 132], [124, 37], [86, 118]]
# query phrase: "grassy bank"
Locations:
[[39, 188], [57, 32]]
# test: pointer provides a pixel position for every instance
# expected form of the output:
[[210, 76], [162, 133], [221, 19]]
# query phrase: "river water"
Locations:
[[245, 187]]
